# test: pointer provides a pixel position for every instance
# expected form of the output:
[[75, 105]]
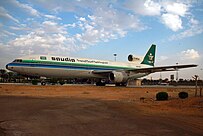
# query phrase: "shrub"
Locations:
[[183, 95], [34, 82], [160, 96]]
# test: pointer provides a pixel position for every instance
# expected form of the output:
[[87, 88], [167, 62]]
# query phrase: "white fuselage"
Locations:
[[70, 67]]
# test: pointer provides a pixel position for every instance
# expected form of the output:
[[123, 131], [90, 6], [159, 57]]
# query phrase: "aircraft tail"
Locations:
[[149, 58]]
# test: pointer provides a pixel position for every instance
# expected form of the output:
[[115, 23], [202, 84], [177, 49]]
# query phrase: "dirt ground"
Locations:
[[91, 111]]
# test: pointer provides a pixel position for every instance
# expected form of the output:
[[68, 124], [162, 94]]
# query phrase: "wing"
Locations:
[[162, 68], [148, 70]]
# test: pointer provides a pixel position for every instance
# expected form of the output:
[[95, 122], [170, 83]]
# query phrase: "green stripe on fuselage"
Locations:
[[77, 64]]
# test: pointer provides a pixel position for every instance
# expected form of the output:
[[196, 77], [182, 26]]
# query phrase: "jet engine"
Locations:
[[118, 77], [133, 58]]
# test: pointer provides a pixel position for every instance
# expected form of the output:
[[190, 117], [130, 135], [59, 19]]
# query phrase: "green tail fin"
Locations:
[[150, 56]]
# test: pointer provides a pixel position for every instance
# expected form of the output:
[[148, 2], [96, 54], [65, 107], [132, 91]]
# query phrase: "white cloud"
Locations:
[[8, 33], [52, 17], [26, 7], [190, 54], [38, 38], [40, 43], [5, 34], [46, 38], [19, 28], [172, 21], [176, 8], [105, 24], [82, 19], [64, 5], [53, 27], [53, 38], [148, 7], [194, 29], [4, 14], [70, 25], [170, 13], [102, 23]]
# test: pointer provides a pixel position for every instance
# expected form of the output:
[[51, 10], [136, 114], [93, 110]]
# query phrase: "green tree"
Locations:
[[3, 74]]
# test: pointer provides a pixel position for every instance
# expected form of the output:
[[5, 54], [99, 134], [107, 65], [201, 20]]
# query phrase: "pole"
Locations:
[[201, 86], [115, 56], [177, 73], [195, 87], [195, 77]]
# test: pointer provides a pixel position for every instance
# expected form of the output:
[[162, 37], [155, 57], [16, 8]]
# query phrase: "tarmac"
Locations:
[[96, 111]]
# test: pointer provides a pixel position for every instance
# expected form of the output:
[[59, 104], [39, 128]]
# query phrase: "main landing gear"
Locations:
[[43, 83], [100, 83]]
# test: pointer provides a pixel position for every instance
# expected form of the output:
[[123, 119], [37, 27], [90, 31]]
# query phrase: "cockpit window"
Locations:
[[17, 60], [43, 57]]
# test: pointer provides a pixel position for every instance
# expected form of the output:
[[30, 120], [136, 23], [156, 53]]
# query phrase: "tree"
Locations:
[[3, 73]]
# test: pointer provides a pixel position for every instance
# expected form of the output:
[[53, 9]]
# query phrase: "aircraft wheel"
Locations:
[[118, 84], [61, 83], [43, 83], [123, 84], [100, 84]]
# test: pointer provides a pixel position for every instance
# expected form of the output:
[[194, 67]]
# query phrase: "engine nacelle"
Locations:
[[118, 77], [133, 58]]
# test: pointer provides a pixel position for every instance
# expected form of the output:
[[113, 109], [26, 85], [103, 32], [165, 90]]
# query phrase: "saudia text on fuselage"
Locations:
[[67, 59], [63, 59]]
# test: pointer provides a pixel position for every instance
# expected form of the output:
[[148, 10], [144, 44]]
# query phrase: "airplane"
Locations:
[[70, 67]]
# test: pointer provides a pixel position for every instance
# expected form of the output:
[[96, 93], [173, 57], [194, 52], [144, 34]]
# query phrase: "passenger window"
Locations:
[[43, 57], [17, 60]]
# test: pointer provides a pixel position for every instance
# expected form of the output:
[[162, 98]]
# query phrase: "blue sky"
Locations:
[[98, 29]]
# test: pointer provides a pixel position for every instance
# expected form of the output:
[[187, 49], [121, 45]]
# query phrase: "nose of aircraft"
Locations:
[[7, 66]]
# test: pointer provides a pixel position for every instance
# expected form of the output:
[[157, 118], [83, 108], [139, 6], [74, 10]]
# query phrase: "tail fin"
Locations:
[[150, 56]]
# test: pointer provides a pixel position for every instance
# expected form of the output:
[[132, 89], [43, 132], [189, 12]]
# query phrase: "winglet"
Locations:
[[149, 58]]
